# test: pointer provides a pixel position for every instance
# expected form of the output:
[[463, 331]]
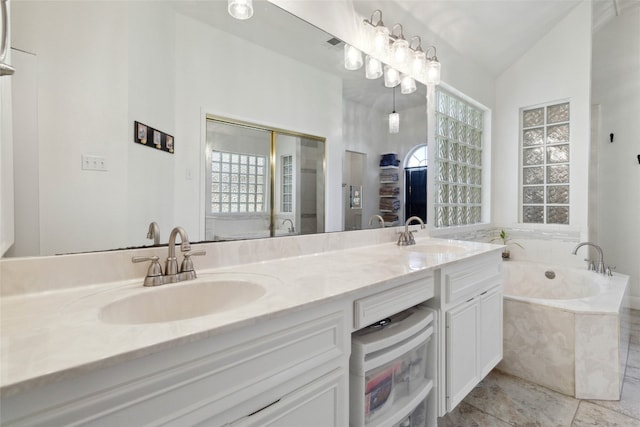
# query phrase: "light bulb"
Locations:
[[372, 68], [241, 9], [352, 58], [391, 76]]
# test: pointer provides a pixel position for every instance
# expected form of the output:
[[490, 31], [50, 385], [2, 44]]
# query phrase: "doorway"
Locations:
[[415, 183], [353, 186]]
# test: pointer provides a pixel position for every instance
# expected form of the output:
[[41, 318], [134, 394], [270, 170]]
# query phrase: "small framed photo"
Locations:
[[157, 138], [170, 143], [141, 132]]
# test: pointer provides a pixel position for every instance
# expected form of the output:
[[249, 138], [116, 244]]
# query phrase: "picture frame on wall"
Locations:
[[162, 141]]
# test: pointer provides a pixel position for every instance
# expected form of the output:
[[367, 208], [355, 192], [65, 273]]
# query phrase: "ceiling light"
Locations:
[[372, 67], [394, 118], [241, 9], [352, 58], [391, 76]]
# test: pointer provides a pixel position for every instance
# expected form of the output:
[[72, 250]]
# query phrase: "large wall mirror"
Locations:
[[86, 71]]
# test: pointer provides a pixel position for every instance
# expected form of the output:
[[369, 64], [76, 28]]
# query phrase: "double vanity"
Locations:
[[262, 336]]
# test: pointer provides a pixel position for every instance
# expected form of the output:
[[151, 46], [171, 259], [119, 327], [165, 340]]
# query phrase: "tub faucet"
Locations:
[[599, 267], [154, 233], [379, 218], [406, 237], [292, 229], [172, 274]]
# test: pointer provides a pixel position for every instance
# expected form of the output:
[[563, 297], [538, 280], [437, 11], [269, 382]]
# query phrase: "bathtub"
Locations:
[[566, 328]]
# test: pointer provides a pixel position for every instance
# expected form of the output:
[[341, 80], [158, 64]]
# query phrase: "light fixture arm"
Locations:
[[379, 23], [394, 99], [418, 48], [393, 32], [434, 57]]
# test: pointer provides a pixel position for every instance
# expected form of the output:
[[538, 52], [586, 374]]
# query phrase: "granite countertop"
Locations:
[[47, 336]]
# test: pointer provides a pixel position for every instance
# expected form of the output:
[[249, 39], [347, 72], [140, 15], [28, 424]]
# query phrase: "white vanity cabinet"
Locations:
[[277, 372], [469, 295]]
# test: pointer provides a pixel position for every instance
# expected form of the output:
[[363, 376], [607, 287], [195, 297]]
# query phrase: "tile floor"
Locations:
[[504, 400]]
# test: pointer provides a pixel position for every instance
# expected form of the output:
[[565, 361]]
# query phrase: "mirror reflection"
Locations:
[[89, 70], [262, 182]]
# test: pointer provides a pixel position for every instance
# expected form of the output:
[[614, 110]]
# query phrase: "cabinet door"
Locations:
[[490, 335], [319, 404], [462, 351]]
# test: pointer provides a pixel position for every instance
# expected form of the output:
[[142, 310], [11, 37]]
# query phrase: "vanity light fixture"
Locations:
[[372, 68], [394, 118], [433, 68], [406, 56], [241, 9], [352, 58], [391, 76], [379, 35]]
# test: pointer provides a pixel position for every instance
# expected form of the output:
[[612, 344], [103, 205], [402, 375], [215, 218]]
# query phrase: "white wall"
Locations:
[[556, 68], [616, 93], [81, 110]]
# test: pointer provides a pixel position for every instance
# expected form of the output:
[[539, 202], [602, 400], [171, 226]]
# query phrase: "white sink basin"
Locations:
[[179, 301], [436, 248]]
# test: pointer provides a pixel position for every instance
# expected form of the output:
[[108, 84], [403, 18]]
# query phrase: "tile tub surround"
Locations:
[[501, 400], [571, 343], [56, 334]]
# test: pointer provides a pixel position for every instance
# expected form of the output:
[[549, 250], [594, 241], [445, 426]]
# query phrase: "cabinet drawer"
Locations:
[[378, 306], [466, 280]]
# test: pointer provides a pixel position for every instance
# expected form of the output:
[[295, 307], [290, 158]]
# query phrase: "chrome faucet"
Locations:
[[155, 276], [599, 267], [379, 218], [154, 233], [292, 229], [406, 237]]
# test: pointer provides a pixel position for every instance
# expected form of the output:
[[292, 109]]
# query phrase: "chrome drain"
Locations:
[[550, 274]]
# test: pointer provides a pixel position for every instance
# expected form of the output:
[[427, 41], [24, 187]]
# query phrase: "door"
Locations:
[[462, 351], [490, 330], [353, 175], [416, 192]]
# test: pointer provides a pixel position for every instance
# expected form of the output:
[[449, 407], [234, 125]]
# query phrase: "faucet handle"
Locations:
[[610, 269], [187, 264], [155, 269]]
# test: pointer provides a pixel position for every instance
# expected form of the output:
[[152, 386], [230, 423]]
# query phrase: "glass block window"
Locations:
[[458, 185], [287, 184], [545, 136], [237, 182]]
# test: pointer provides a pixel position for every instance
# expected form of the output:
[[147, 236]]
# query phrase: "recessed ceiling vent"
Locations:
[[334, 41]]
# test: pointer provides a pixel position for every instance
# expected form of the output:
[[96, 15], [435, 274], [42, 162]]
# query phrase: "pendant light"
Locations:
[[394, 118], [241, 9]]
